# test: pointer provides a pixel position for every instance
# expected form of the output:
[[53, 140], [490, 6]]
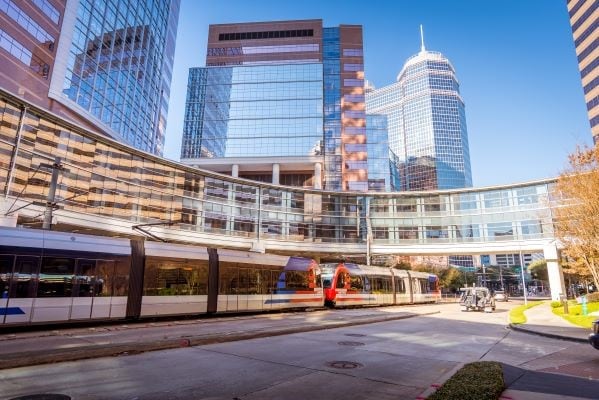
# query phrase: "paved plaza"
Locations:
[[390, 352]]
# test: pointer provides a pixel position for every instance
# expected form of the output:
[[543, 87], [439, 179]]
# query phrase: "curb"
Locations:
[[31, 358], [518, 327], [444, 378]]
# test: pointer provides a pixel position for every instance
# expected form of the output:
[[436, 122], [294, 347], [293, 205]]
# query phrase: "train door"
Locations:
[[242, 289], [102, 288], [7, 263], [228, 288], [410, 287], [54, 290], [21, 289], [83, 289]]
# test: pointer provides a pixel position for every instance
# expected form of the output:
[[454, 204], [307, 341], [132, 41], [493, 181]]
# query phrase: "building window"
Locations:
[[48, 9], [26, 22]]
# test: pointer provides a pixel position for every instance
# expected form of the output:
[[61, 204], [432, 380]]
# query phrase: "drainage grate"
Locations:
[[355, 334], [344, 343], [344, 364], [43, 396]]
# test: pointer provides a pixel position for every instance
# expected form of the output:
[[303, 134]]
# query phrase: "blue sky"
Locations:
[[515, 61]]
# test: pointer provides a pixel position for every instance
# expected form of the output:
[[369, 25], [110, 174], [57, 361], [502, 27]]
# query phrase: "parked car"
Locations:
[[477, 299], [500, 295], [594, 337]]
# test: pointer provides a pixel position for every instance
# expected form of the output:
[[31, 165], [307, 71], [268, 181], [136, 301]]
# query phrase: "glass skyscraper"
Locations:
[[281, 102], [105, 64], [426, 123], [382, 167], [584, 15]]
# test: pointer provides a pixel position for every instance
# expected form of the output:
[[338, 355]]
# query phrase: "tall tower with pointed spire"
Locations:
[[426, 123]]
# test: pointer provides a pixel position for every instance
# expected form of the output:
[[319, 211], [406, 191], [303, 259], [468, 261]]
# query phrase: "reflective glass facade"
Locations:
[[584, 17], [380, 164], [427, 124], [119, 57], [280, 89], [260, 110], [110, 186], [332, 109]]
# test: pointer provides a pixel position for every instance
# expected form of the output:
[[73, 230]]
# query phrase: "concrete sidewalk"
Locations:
[[540, 320], [40, 347], [533, 385]]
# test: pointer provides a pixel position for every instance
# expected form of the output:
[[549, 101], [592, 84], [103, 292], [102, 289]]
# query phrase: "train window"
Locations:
[[175, 277], [357, 283], [380, 284], [296, 280], [400, 285], [6, 264], [228, 280], [121, 276], [85, 278], [194, 275], [161, 280], [56, 277], [341, 278], [318, 280], [242, 286], [23, 279], [105, 270], [253, 281], [265, 282], [423, 285]]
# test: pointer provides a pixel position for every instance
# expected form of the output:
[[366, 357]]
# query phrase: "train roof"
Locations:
[[300, 264], [42, 239], [158, 249], [368, 269]]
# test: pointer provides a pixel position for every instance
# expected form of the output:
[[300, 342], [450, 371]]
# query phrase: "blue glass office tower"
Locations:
[[382, 163], [427, 123], [281, 102], [113, 66]]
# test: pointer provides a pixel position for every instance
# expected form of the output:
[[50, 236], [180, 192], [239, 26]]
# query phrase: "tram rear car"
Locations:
[[347, 284]]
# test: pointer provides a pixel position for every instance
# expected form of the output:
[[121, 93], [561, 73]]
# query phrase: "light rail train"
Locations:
[[56, 277]]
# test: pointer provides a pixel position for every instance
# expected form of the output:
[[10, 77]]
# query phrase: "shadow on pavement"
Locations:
[[543, 382]]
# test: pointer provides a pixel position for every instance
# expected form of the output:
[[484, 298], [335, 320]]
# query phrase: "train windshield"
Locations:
[[327, 273]]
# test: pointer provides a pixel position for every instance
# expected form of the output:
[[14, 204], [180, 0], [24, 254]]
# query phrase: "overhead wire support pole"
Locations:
[[50, 202]]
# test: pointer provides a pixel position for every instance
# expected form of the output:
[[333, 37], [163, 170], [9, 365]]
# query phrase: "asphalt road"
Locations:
[[390, 360]]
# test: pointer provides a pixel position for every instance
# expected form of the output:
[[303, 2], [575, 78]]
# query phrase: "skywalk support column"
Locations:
[[276, 168], [317, 176], [554, 271]]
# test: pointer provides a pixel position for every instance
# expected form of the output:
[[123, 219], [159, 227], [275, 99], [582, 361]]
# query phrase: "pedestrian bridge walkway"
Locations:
[[72, 179]]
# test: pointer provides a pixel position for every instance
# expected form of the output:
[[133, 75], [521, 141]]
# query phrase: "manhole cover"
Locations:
[[344, 364], [351, 343], [43, 396], [354, 334]]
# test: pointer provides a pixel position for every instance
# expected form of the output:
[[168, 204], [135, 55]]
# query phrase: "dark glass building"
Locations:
[[104, 64], [281, 102]]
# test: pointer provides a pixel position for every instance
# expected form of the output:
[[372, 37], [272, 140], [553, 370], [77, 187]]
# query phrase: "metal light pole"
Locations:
[[523, 282]]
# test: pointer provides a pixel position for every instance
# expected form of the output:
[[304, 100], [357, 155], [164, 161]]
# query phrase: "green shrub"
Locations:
[[556, 304], [481, 380]]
